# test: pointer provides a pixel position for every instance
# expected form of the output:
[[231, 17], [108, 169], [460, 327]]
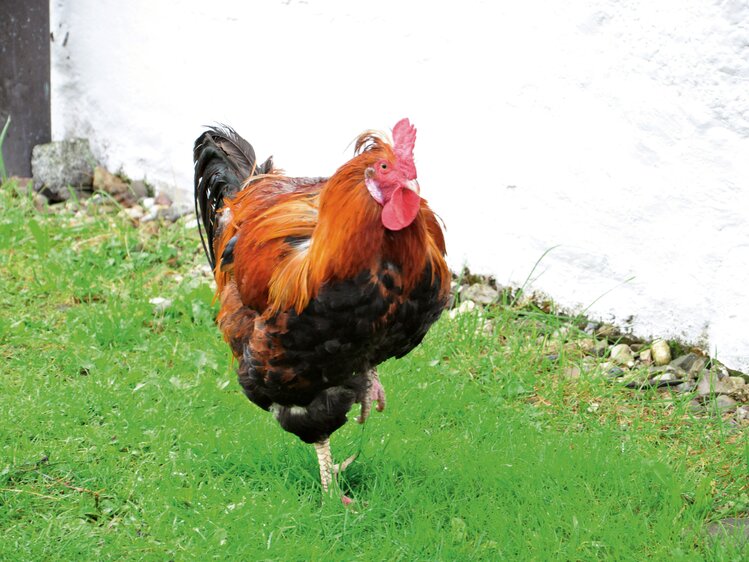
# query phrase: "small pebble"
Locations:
[[465, 306], [665, 377], [480, 293], [661, 352], [686, 386], [572, 372], [725, 403], [622, 355], [134, 213], [163, 199], [160, 304], [646, 356], [615, 372]]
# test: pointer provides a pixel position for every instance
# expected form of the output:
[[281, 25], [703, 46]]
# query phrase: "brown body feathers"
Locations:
[[314, 290]]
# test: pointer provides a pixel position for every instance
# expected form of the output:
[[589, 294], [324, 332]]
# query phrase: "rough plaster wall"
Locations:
[[614, 131]]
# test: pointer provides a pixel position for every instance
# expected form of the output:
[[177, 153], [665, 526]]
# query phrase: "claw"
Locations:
[[338, 468], [375, 393]]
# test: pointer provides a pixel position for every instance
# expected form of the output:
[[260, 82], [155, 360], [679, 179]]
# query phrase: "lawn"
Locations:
[[125, 436]]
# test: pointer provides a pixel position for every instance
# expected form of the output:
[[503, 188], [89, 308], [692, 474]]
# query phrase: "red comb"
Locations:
[[404, 138]]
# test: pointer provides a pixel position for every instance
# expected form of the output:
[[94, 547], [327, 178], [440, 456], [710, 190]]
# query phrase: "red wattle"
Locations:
[[401, 209]]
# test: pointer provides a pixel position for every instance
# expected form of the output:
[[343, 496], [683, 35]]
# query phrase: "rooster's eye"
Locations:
[[384, 166]]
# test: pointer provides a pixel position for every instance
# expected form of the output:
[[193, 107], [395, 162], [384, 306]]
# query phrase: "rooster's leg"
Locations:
[[375, 393], [328, 469], [326, 464]]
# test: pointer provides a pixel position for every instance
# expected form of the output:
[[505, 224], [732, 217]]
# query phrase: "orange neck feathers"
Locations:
[[349, 237]]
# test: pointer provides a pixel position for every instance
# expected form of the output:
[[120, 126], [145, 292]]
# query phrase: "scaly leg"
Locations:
[[328, 469], [326, 464], [375, 393]]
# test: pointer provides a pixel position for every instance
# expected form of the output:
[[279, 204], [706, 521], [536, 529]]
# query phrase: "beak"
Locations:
[[413, 185]]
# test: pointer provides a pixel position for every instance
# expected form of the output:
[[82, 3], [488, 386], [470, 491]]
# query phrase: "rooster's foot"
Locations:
[[375, 393], [328, 470]]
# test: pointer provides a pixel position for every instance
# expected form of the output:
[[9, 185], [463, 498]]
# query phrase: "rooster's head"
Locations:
[[392, 181]]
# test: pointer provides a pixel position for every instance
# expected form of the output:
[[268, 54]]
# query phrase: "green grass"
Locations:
[[124, 434]]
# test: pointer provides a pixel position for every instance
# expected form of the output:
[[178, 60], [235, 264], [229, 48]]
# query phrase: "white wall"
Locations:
[[617, 131]]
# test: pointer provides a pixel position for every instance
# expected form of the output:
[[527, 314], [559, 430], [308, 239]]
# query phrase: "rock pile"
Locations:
[[601, 349], [67, 171]]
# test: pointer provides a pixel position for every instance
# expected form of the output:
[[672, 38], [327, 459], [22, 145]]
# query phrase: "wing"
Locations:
[[269, 225]]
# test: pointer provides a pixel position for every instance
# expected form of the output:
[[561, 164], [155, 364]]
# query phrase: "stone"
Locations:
[[203, 270], [686, 386], [708, 383], [679, 373], [731, 528], [691, 363], [101, 203], [611, 371], [134, 213], [646, 356], [465, 306], [160, 304], [148, 203], [118, 188], [607, 331], [712, 383], [601, 347], [140, 189], [737, 382], [40, 202], [741, 393], [742, 413], [572, 372], [731, 385], [587, 346], [175, 211], [480, 293], [162, 199], [725, 403], [668, 376], [621, 354], [590, 328], [593, 408], [661, 352], [154, 213], [57, 166]]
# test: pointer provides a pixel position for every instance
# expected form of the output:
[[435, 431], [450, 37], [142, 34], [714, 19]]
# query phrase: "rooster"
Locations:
[[319, 279]]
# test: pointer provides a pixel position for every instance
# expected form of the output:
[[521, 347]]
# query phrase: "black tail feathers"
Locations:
[[223, 161]]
